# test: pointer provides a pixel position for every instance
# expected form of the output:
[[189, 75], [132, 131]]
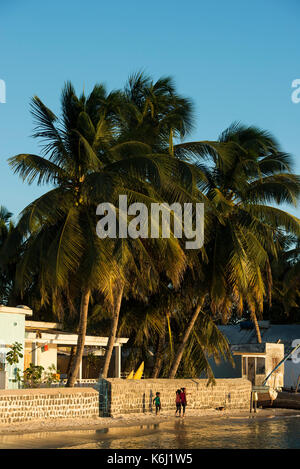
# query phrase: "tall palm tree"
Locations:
[[286, 278], [88, 162], [6, 272], [153, 335], [245, 172], [154, 112]]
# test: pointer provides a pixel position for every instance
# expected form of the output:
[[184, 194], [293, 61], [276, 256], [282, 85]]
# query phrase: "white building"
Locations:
[[47, 345], [286, 334]]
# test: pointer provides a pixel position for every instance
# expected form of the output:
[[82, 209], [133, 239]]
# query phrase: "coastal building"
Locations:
[[12, 327], [242, 339], [46, 344], [253, 362]]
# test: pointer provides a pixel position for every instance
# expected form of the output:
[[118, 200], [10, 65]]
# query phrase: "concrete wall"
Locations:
[[3, 379], [119, 396], [274, 354], [48, 357], [22, 405]]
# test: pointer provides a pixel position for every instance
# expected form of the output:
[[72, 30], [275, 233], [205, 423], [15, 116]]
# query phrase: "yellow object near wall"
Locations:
[[130, 376], [139, 372]]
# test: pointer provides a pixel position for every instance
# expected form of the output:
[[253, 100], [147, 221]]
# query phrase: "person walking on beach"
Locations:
[[183, 401], [157, 403], [178, 403]]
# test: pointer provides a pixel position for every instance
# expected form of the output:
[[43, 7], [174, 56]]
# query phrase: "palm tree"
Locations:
[[87, 161], [6, 278], [245, 171], [153, 335], [286, 279], [205, 341], [154, 112]]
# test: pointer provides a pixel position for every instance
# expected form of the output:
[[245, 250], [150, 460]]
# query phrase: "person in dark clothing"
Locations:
[[183, 400], [178, 402]]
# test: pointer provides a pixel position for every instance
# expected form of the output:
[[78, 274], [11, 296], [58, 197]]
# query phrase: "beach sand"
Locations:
[[56, 425]]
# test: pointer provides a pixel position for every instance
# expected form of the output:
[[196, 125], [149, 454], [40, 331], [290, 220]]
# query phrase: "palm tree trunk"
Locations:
[[115, 321], [71, 359], [84, 306], [257, 330], [159, 352], [187, 334]]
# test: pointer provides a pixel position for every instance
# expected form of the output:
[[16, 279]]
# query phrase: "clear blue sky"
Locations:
[[236, 60]]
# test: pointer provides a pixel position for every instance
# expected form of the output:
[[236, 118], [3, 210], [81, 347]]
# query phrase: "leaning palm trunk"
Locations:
[[84, 306], [117, 300], [159, 351], [256, 326], [186, 336]]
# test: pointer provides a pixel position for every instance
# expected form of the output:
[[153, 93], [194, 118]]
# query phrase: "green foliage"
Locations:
[[7, 272], [94, 152], [14, 354], [106, 144], [51, 375], [32, 376], [35, 375]]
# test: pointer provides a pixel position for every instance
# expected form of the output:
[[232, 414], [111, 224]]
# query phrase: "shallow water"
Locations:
[[283, 432]]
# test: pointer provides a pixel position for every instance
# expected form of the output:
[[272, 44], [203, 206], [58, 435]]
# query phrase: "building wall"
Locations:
[[22, 405], [274, 354], [89, 370], [28, 355], [48, 357], [119, 396], [291, 373], [12, 328], [224, 369]]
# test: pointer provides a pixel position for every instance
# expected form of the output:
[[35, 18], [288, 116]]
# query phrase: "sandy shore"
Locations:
[[55, 425]]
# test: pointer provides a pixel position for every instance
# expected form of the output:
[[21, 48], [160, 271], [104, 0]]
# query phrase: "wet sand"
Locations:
[[130, 420]]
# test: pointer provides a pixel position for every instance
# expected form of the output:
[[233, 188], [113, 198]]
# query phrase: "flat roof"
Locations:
[[43, 325], [66, 338], [285, 332], [16, 310]]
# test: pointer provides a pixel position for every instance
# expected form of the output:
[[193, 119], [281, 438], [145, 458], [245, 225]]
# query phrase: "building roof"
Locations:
[[44, 333], [43, 325], [271, 333], [20, 309]]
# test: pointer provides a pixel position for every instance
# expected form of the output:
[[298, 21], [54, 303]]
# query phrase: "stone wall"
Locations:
[[119, 396], [21, 405]]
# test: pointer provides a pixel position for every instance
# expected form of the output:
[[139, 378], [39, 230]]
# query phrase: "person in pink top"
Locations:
[[178, 402], [183, 400]]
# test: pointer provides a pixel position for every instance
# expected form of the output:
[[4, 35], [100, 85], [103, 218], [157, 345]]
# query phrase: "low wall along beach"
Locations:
[[118, 396], [22, 405]]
